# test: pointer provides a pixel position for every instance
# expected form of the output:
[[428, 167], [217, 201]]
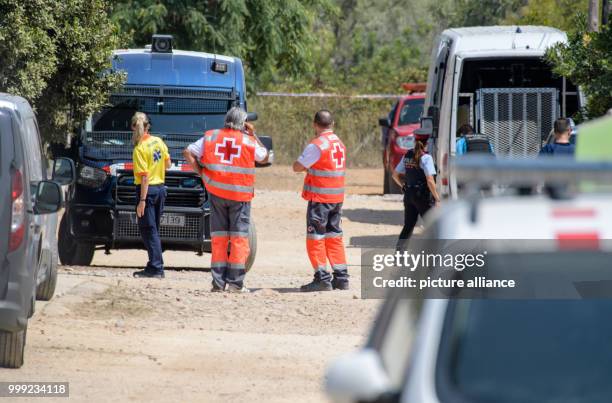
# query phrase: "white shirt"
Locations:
[[310, 156], [426, 164], [196, 149]]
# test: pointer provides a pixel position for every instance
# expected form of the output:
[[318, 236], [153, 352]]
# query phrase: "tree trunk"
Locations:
[[605, 12], [594, 15]]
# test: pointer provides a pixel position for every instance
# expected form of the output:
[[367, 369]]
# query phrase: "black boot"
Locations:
[[148, 274], [321, 282], [340, 284]]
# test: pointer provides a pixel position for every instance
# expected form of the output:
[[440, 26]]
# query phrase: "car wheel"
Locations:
[[252, 246], [12, 347], [46, 289], [72, 252]]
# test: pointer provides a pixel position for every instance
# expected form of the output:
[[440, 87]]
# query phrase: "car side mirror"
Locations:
[[357, 377], [434, 113], [251, 116], [384, 122], [64, 172], [48, 197], [426, 128]]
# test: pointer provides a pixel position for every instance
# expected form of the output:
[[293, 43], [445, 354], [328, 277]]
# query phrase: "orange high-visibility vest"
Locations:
[[324, 180], [228, 161]]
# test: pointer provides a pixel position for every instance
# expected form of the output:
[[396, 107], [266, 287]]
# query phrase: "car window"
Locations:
[[34, 154], [411, 112], [526, 351]]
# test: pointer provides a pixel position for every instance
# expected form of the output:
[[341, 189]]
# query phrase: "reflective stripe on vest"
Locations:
[[230, 168], [225, 186], [324, 191], [325, 174], [228, 161], [324, 180]]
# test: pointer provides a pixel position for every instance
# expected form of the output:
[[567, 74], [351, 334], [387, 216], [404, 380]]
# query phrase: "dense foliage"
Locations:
[[53, 54], [587, 60], [274, 38]]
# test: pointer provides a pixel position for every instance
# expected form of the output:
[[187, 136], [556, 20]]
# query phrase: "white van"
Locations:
[[496, 80]]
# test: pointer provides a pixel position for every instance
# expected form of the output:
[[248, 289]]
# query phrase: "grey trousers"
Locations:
[[229, 230]]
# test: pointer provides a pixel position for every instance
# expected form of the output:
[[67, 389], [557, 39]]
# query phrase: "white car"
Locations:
[[494, 350]]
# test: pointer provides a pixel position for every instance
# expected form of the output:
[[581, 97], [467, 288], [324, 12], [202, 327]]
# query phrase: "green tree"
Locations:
[[552, 13], [586, 60], [470, 13], [53, 54], [274, 38]]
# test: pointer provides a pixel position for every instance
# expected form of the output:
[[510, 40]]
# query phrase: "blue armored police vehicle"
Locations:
[[184, 94]]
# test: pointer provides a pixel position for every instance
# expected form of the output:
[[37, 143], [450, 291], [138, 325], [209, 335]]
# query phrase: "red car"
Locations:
[[398, 134]]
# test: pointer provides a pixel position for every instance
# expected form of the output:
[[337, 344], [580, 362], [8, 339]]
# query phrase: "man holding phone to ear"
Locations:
[[226, 160]]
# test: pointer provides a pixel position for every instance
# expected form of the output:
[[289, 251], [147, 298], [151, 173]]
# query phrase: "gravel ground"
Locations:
[[116, 338]]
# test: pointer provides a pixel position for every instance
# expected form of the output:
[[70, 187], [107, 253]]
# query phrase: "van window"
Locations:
[[33, 152]]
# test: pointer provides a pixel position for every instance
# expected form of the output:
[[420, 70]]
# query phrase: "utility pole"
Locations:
[[594, 15]]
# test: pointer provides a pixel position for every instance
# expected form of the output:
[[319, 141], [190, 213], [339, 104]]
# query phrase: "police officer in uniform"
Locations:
[[226, 160], [324, 161], [150, 159], [415, 173]]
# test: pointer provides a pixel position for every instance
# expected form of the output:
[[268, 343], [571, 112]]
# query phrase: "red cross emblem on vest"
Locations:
[[338, 155], [228, 150]]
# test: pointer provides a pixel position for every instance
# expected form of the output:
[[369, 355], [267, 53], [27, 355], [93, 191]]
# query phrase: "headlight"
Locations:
[[191, 182], [91, 177], [405, 142]]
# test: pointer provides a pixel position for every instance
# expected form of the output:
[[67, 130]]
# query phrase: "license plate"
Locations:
[[173, 220], [168, 219]]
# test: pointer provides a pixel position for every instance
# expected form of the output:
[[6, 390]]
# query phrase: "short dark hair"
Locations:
[[561, 125], [324, 118], [465, 129]]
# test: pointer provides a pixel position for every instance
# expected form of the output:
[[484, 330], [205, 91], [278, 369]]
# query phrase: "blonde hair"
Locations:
[[140, 125]]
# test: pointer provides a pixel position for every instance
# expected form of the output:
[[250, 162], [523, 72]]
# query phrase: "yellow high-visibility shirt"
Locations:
[[149, 159]]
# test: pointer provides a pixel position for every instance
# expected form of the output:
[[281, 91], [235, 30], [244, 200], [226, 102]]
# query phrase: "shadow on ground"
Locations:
[[374, 241], [368, 216], [172, 268]]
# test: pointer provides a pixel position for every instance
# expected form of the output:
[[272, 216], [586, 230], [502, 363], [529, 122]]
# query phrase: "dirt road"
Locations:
[[116, 338]]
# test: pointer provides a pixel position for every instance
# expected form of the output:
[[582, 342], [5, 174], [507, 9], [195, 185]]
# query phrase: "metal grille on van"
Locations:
[[175, 92], [108, 145], [183, 189], [516, 120]]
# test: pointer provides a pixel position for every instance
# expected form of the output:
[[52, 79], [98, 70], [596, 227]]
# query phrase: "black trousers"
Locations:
[[149, 226], [415, 204]]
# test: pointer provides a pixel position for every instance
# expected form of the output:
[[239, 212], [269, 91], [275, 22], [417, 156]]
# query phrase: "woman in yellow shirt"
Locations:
[[151, 159]]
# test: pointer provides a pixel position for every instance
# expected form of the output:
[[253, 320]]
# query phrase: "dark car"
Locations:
[[398, 134], [28, 220]]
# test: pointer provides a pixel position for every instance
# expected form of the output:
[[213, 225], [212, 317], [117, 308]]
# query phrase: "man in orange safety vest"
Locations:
[[324, 161], [227, 165]]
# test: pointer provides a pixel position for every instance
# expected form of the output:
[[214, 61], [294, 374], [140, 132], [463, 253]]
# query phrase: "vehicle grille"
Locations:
[[516, 120], [108, 145], [176, 92], [126, 228], [177, 194]]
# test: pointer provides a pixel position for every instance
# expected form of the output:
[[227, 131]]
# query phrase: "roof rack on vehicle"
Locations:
[[520, 172]]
